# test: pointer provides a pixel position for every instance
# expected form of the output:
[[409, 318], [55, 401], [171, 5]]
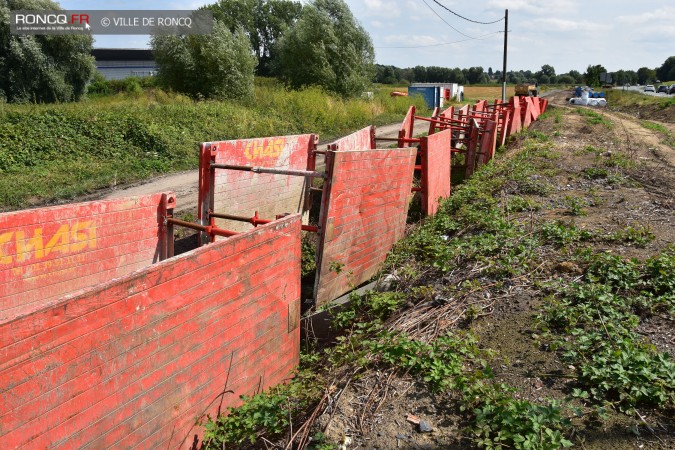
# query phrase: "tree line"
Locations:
[[546, 75]]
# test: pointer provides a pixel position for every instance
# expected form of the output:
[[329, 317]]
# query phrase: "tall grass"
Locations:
[[53, 152], [619, 98]]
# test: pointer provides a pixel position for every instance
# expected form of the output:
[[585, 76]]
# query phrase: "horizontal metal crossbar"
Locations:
[[255, 220], [214, 231], [299, 173]]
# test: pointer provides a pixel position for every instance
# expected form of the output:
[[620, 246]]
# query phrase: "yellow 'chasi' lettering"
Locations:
[[270, 148], [34, 245]]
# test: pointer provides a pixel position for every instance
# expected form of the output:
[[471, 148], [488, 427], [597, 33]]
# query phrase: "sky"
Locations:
[[566, 34]]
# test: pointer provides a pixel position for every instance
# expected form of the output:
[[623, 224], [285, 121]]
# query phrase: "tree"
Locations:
[[578, 78], [263, 21], [219, 65], [541, 78], [667, 70], [548, 70], [646, 75], [622, 77], [592, 75], [327, 47], [474, 75], [37, 68], [419, 74], [544, 75], [566, 79], [515, 77]]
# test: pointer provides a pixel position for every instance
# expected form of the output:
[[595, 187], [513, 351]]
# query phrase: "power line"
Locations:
[[462, 17], [448, 24], [479, 38]]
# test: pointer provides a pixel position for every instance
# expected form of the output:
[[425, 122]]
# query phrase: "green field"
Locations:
[[61, 151]]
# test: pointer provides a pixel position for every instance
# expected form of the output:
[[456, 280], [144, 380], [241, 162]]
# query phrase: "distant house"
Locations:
[[119, 63]]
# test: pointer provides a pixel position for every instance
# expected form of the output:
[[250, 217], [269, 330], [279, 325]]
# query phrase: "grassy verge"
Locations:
[[668, 137], [617, 98], [51, 152]]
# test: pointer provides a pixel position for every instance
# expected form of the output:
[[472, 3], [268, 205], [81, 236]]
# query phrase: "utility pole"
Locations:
[[506, 33]]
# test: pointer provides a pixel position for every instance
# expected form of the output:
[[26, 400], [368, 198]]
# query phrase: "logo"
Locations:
[[29, 245], [264, 148], [51, 19]]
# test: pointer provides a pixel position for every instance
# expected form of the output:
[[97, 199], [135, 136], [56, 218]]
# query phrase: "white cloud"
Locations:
[[383, 9], [666, 15], [554, 24], [374, 4], [537, 7], [411, 39]]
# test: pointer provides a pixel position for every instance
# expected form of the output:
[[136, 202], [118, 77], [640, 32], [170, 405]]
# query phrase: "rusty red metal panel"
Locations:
[[448, 113], [406, 131], [49, 252], [471, 154], [526, 112], [544, 104], [435, 170], [462, 112], [363, 214], [480, 105], [360, 140], [435, 114], [488, 141], [536, 109], [138, 361], [515, 124], [504, 121], [242, 193]]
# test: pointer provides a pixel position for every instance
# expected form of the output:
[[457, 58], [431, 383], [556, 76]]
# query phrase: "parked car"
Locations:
[[672, 89], [663, 88], [650, 88]]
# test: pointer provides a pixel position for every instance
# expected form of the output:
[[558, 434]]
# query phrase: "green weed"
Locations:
[[669, 139], [615, 160], [575, 205], [639, 236], [595, 118], [499, 420], [561, 234], [517, 203], [590, 149], [308, 247], [593, 325], [654, 126], [595, 173], [267, 414]]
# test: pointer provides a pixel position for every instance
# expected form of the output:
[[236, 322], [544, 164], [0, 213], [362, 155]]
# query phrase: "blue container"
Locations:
[[431, 94]]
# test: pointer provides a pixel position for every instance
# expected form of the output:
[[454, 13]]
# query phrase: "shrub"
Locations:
[[327, 48], [220, 65]]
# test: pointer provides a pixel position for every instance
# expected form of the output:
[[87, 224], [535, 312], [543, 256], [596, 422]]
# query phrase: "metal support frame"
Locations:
[[405, 140], [211, 230], [255, 169], [256, 220], [208, 216]]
